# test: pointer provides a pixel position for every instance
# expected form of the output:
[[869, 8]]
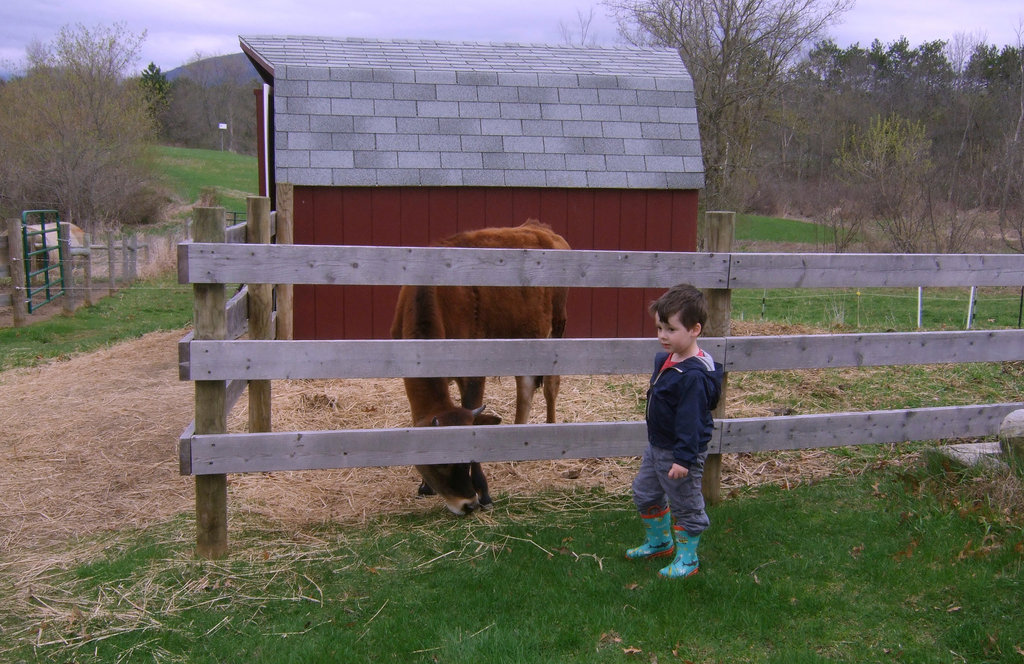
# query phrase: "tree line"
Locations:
[[914, 148], [896, 147], [76, 125]]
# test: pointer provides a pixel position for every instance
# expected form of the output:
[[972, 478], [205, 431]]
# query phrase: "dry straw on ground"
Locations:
[[92, 445]]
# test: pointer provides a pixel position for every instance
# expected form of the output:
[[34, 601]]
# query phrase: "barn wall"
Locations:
[[635, 220]]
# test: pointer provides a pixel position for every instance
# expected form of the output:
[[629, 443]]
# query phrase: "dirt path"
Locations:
[[90, 443]]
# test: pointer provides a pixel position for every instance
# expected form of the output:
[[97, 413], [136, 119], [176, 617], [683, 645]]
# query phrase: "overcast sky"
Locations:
[[177, 31]]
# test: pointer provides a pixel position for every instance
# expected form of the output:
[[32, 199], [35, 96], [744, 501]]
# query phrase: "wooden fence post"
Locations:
[[285, 235], [718, 236], [261, 305], [17, 265], [67, 267], [88, 270], [111, 264], [210, 322]]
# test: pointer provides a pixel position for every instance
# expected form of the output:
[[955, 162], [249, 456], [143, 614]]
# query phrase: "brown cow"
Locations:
[[478, 312]]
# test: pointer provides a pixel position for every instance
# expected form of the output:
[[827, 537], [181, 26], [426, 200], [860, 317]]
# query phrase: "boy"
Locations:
[[685, 388]]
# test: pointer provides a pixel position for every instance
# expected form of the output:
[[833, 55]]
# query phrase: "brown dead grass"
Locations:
[[91, 446]]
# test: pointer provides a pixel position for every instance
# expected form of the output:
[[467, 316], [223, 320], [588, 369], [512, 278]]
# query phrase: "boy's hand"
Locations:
[[677, 472]]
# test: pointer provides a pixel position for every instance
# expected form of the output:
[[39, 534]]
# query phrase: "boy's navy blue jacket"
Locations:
[[679, 404]]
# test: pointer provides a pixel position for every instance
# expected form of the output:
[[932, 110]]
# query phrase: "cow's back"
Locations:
[[485, 312]]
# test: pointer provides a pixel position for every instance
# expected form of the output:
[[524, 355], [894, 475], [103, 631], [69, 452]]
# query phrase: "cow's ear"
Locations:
[[486, 419]]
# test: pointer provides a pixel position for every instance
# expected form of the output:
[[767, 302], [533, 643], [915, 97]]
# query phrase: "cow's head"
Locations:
[[462, 485]]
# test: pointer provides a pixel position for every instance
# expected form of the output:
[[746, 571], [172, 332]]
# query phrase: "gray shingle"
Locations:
[[330, 159], [524, 178], [495, 93], [440, 178], [438, 109], [293, 159], [398, 142], [583, 128], [504, 161], [538, 95], [483, 178], [419, 160], [479, 109], [418, 125], [561, 112], [395, 108], [286, 122], [416, 91], [585, 162], [353, 141], [520, 111], [501, 127], [309, 141], [348, 106], [543, 128], [544, 162], [620, 129], [523, 144], [456, 92], [323, 123], [459, 126], [458, 160], [373, 90], [439, 143], [376, 112], [374, 125], [375, 159]]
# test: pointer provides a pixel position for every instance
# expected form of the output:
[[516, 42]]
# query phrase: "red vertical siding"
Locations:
[[639, 220]]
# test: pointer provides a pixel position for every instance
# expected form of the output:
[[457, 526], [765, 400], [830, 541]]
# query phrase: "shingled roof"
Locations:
[[372, 112]]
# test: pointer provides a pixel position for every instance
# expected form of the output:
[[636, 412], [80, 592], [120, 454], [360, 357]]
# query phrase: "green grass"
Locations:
[[145, 306], [890, 565], [879, 309], [188, 171], [774, 229]]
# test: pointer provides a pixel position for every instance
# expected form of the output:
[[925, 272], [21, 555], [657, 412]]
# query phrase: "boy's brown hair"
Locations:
[[685, 300]]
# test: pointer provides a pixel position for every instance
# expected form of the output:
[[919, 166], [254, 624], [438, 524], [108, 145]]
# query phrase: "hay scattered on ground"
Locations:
[[92, 445]]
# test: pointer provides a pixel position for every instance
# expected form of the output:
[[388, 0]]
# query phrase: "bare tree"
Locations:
[[890, 164], [579, 34], [737, 52], [74, 129], [213, 90], [1011, 207]]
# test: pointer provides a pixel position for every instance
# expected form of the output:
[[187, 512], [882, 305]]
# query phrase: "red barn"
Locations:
[[403, 143]]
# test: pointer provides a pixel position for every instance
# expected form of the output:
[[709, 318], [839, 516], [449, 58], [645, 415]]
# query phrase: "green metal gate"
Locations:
[[39, 233]]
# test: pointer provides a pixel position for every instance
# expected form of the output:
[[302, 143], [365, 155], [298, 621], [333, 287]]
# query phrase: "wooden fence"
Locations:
[[220, 363], [121, 260]]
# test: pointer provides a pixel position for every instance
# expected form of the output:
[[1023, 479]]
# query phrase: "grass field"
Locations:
[[187, 172], [914, 563]]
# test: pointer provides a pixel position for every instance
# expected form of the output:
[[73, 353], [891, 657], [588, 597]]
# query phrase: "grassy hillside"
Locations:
[[187, 172]]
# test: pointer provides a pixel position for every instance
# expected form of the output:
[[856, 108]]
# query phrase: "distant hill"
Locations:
[[231, 68]]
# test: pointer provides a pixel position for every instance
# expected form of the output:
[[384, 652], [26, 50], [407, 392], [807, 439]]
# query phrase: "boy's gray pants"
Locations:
[[652, 488]]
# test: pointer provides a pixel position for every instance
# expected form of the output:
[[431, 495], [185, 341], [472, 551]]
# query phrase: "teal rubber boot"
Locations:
[[658, 541], [686, 563]]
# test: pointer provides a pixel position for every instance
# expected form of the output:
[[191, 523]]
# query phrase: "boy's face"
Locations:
[[675, 338]]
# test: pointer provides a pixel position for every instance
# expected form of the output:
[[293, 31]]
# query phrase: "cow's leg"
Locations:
[[525, 388], [551, 385], [476, 474], [471, 391]]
